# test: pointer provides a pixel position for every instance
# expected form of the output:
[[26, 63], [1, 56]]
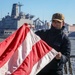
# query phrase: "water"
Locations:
[[73, 53]]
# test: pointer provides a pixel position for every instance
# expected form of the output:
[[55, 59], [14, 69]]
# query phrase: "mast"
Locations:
[[19, 4]]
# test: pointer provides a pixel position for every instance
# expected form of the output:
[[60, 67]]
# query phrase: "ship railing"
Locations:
[[69, 67]]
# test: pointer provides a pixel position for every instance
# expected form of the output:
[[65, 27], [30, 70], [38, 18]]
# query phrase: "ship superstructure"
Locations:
[[10, 23]]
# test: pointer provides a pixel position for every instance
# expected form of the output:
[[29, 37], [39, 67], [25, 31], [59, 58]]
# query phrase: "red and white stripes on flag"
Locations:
[[24, 53]]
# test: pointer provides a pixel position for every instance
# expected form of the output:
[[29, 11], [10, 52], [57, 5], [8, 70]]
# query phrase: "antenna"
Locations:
[[19, 4]]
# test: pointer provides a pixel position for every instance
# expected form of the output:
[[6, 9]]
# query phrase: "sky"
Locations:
[[43, 9]]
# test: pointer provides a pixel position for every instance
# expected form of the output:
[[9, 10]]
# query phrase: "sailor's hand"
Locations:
[[58, 56], [31, 25]]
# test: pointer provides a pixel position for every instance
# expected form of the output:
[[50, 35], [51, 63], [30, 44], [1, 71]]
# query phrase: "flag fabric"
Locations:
[[24, 53]]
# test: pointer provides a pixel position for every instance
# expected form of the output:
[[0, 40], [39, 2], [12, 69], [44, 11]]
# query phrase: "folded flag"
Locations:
[[24, 53]]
